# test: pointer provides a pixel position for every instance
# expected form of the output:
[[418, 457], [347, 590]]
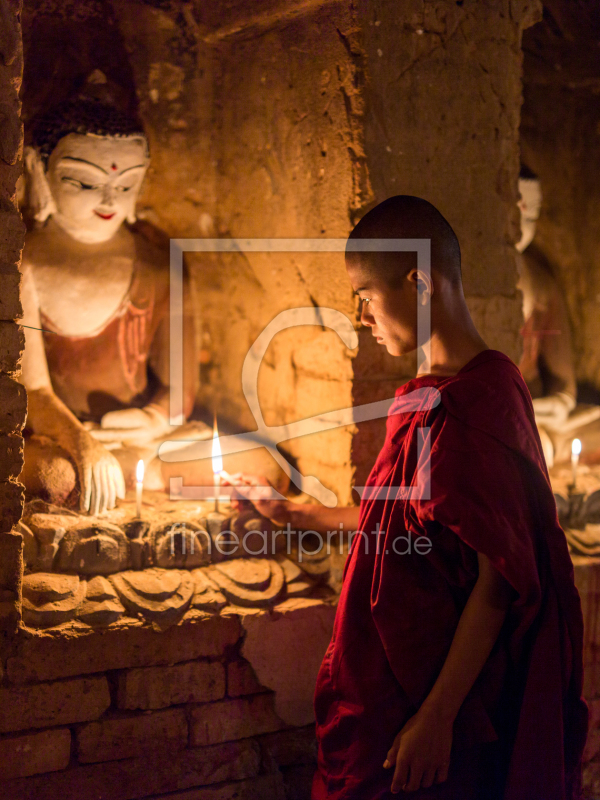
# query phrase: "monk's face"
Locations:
[[389, 311], [95, 181]]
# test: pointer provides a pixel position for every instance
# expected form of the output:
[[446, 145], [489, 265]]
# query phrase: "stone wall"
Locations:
[[559, 140], [290, 120], [13, 403], [259, 143], [296, 134], [132, 712], [443, 95]]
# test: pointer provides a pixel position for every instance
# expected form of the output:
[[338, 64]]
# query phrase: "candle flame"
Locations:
[[139, 471], [576, 447], [217, 458]]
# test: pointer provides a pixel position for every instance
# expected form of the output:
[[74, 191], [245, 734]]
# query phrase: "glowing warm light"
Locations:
[[139, 485], [217, 458], [575, 451]]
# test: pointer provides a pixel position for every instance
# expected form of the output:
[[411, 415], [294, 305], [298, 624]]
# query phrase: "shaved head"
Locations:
[[407, 217]]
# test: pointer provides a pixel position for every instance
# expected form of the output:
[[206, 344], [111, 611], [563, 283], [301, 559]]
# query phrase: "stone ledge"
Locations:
[[286, 649], [136, 778], [77, 650], [159, 687], [34, 753], [127, 737], [59, 703], [229, 720]]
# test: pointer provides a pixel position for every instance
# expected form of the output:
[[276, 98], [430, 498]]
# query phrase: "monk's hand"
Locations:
[[257, 491], [100, 476], [132, 426], [420, 753]]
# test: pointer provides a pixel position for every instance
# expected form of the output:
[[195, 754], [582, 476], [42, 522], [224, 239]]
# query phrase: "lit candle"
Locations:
[[575, 451], [139, 484], [217, 463]]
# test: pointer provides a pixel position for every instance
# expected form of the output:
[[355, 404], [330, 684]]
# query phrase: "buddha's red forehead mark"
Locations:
[[113, 167]]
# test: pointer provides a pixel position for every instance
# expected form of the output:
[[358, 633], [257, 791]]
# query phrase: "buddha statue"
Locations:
[[548, 363], [95, 295]]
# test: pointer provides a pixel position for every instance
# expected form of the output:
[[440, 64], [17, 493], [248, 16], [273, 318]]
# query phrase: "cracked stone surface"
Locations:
[[156, 594], [50, 599]]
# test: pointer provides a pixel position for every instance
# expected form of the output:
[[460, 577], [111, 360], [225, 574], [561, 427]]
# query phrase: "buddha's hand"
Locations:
[[257, 491], [100, 476], [554, 409], [420, 753], [132, 426]]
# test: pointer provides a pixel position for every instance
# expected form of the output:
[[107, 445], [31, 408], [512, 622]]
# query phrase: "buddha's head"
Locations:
[[529, 205], [85, 169]]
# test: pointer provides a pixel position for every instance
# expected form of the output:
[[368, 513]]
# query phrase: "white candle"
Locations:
[[139, 485], [575, 451], [217, 463]]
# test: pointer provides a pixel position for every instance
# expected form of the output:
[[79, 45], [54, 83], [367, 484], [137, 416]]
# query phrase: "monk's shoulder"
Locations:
[[490, 398], [494, 379]]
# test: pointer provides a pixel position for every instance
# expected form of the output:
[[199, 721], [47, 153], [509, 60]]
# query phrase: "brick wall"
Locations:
[[131, 712], [13, 402]]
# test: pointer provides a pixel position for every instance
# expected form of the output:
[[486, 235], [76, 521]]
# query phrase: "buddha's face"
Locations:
[[529, 206], [95, 182]]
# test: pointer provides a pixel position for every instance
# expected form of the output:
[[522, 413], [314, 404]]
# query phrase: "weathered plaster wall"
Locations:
[[13, 403], [289, 150], [257, 143], [559, 140], [290, 120]]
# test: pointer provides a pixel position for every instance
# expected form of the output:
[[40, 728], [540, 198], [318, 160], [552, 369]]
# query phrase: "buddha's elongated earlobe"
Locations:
[[131, 214], [39, 196]]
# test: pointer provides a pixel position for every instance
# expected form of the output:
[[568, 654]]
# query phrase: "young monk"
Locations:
[[455, 667]]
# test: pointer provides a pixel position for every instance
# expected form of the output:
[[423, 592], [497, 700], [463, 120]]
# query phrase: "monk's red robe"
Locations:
[[520, 733]]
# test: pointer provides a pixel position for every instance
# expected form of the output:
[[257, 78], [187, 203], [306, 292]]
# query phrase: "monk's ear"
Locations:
[[424, 285]]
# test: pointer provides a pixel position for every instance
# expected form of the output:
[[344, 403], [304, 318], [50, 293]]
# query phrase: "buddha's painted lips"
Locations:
[[104, 216]]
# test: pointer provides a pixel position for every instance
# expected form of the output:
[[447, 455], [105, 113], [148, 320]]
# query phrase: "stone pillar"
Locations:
[[441, 121], [13, 402]]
